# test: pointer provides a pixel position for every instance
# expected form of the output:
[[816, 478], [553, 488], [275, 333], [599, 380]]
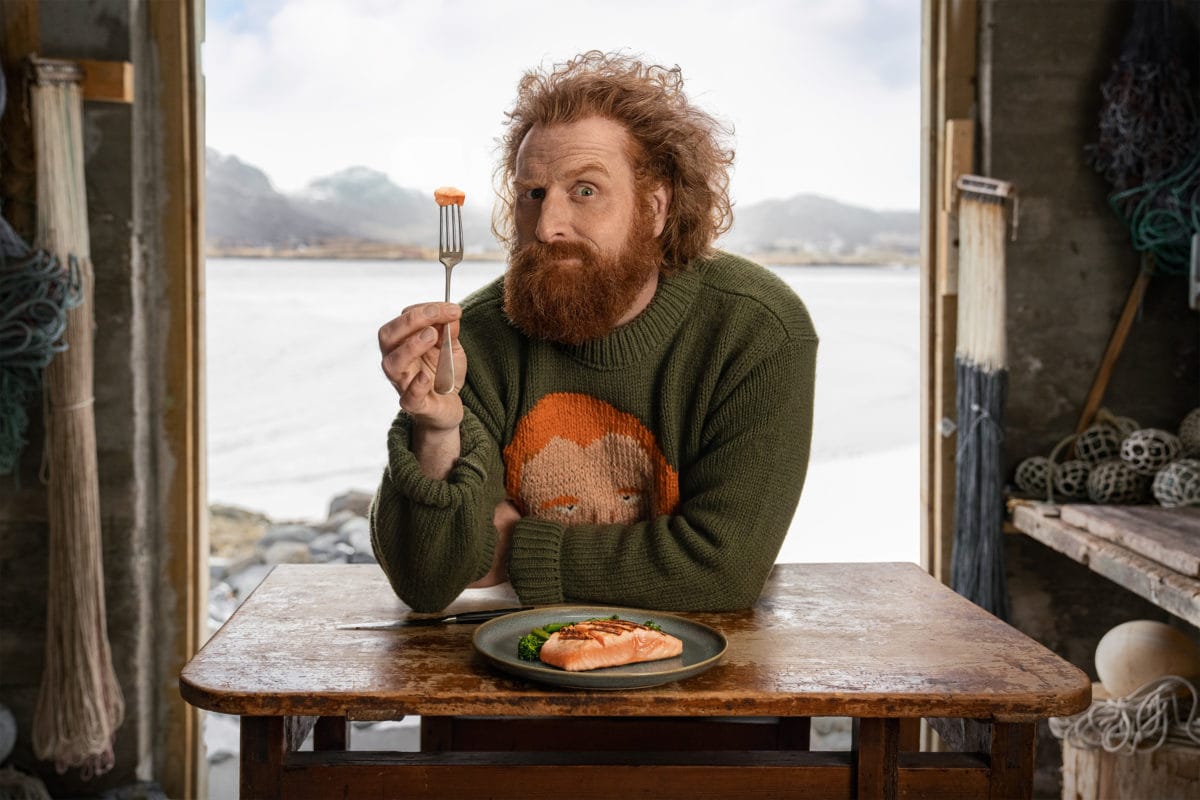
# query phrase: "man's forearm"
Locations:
[[436, 451]]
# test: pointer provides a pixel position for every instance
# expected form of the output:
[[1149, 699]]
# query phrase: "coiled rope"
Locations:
[[1163, 711], [35, 295]]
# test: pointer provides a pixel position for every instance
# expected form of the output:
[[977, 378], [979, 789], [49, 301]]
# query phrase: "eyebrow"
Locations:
[[591, 166]]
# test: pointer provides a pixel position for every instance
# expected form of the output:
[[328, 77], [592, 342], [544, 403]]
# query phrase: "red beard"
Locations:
[[579, 302]]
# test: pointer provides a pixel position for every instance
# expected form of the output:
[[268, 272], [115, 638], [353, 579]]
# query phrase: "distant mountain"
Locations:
[[243, 209], [367, 203], [360, 211], [818, 225]]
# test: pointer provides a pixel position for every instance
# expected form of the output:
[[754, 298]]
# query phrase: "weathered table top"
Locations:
[[866, 640]]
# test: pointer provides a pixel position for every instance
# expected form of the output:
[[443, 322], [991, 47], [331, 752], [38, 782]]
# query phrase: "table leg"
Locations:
[[262, 752], [331, 733], [1013, 758], [877, 749]]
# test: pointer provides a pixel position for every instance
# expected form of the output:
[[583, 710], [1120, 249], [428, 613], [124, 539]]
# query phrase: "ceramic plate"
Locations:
[[496, 640]]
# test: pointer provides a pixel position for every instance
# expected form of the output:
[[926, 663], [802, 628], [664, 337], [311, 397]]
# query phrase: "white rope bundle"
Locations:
[[982, 292], [1142, 721], [79, 705]]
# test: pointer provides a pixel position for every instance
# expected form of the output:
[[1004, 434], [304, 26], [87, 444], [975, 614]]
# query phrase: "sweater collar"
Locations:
[[655, 325]]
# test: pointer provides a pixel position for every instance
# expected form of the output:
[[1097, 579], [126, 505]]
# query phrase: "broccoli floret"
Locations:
[[530, 647]]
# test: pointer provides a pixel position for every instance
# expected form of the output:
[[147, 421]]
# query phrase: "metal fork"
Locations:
[[450, 252]]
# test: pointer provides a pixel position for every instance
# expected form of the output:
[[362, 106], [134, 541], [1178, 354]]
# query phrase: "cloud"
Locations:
[[824, 95]]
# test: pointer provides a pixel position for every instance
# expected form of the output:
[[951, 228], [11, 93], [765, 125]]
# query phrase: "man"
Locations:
[[634, 424]]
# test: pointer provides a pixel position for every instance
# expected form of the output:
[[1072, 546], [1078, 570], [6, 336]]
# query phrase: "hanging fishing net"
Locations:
[[1149, 144], [35, 294]]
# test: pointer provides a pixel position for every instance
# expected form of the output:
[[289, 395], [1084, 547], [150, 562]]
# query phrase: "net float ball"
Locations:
[[1150, 449], [1070, 478], [1098, 443], [1125, 425], [1033, 475], [1116, 482], [1178, 483], [1134, 653], [1189, 434]]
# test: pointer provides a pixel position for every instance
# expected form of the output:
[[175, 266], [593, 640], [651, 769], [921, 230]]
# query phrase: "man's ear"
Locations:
[[660, 201]]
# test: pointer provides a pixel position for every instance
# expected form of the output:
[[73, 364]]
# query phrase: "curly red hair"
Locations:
[[672, 142]]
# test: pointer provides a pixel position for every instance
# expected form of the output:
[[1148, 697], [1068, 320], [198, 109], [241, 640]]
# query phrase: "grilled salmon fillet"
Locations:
[[607, 643], [449, 196]]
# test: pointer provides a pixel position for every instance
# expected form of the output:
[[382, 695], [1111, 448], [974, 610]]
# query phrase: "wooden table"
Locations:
[[883, 643]]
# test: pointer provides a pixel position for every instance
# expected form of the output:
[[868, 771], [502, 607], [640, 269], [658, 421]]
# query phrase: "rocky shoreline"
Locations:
[[245, 545]]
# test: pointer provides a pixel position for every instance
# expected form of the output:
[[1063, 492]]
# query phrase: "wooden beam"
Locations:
[[175, 30], [959, 159], [948, 78], [107, 81]]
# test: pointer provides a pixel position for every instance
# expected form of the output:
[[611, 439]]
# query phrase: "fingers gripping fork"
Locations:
[[450, 252]]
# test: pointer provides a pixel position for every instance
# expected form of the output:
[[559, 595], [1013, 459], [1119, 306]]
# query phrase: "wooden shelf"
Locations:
[[1166, 588]]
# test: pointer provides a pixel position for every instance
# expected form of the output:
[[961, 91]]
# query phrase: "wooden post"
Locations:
[[878, 751], [263, 747], [331, 733], [1011, 776], [175, 31], [948, 69]]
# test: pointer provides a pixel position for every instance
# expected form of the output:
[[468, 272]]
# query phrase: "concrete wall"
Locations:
[[1041, 65], [121, 171]]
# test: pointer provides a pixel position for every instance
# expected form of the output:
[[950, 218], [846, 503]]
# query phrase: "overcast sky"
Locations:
[[823, 95]]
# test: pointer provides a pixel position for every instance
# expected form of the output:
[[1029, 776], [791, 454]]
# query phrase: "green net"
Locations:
[[35, 294]]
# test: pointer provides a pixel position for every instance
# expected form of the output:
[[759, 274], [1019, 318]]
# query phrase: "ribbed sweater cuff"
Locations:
[[411, 482], [533, 565]]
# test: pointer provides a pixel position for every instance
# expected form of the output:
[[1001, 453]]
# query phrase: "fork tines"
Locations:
[[450, 233]]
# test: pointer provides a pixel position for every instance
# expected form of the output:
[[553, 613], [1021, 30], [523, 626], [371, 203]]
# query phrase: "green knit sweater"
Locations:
[[657, 467]]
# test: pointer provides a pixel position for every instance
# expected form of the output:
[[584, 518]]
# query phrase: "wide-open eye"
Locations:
[[536, 193], [585, 191]]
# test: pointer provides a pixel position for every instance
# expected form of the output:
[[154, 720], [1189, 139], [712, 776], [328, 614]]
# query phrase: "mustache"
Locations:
[[543, 252]]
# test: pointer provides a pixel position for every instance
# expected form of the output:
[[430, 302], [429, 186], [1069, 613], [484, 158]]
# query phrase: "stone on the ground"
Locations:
[[335, 520], [287, 532], [286, 552], [234, 532], [354, 500], [222, 602], [356, 532], [244, 582]]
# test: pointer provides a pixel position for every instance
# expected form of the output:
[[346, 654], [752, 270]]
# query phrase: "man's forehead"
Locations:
[[592, 143]]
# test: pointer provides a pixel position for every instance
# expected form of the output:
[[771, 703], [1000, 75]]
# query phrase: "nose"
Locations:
[[553, 218]]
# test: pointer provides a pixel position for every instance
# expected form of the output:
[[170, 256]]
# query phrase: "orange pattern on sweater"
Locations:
[[578, 460]]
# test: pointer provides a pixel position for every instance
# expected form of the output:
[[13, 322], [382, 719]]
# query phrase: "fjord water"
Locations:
[[298, 408]]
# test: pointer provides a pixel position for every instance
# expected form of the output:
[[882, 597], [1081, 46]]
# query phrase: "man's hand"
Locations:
[[505, 518], [410, 344]]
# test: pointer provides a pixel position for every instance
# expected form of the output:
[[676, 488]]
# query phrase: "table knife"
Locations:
[[461, 618]]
